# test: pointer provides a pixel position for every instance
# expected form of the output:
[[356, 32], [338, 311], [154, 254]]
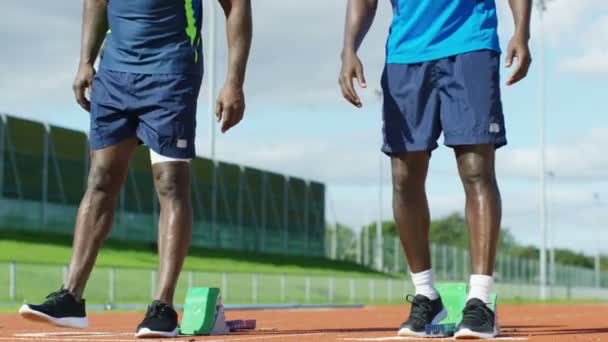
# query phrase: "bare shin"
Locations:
[[410, 207], [107, 173], [483, 204], [172, 182]]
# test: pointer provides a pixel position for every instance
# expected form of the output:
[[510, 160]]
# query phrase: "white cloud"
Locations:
[[580, 158], [592, 59]]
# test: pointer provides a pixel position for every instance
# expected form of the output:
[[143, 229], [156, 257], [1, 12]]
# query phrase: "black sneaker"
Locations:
[[424, 311], [60, 308], [160, 321], [478, 321]]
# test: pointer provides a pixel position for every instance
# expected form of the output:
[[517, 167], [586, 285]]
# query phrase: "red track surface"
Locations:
[[377, 323]]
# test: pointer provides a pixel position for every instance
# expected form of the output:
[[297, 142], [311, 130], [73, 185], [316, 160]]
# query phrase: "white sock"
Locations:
[[424, 283], [480, 287]]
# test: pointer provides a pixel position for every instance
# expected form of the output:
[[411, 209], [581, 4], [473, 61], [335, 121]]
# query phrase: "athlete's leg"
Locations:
[[410, 207], [483, 204], [172, 182], [108, 170]]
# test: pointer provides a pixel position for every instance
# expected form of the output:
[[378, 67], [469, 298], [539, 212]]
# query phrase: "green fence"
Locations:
[[454, 264], [21, 282], [43, 172]]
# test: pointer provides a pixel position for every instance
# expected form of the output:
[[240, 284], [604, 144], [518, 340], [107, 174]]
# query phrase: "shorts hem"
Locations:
[[165, 151], [455, 141], [110, 141], [390, 151]]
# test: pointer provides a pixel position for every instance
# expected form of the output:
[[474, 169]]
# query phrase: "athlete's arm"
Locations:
[[359, 17], [230, 105], [94, 28], [518, 46]]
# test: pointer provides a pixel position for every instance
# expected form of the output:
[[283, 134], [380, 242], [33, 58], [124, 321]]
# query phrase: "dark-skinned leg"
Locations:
[[172, 182], [410, 207], [483, 204], [107, 173], [412, 217], [483, 214]]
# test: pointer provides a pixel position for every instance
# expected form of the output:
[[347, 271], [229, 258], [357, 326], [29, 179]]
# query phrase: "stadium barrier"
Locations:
[[116, 285], [43, 172], [454, 264]]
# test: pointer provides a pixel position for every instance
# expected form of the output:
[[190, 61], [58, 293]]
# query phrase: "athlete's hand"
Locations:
[[518, 49], [351, 68], [230, 106], [82, 82]]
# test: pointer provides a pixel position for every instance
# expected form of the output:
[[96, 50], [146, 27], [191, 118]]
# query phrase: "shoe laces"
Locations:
[[477, 313], [55, 297], [155, 310], [420, 310]]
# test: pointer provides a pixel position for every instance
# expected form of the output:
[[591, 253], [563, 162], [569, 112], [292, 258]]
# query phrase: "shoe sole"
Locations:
[[71, 322], [147, 333], [468, 334], [406, 332]]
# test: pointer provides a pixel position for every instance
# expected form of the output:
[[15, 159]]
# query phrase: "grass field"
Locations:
[[130, 267], [56, 250]]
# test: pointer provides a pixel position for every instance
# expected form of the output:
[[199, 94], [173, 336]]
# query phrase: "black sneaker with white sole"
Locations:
[[424, 311], [478, 321], [60, 308], [160, 321]]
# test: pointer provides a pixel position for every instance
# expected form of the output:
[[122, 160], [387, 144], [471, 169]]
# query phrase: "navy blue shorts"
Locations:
[[458, 95], [159, 109]]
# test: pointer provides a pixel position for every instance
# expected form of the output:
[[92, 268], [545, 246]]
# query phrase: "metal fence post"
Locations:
[[12, 279], [396, 254], [225, 286], [45, 176], [282, 287], [465, 263], [263, 213], [153, 283], [64, 273], [444, 261], [286, 216], [330, 289], [111, 284], [254, 288], [307, 289]]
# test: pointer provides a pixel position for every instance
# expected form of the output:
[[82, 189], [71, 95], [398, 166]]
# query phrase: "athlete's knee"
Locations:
[[102, 180], [477, 176], [407, 185], [170, 185]]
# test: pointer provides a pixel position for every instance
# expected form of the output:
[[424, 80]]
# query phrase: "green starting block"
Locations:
[[454, 297], [200, 309]]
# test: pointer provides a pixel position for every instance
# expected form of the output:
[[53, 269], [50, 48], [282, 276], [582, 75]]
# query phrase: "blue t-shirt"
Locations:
[[426, 30], [154, 37]]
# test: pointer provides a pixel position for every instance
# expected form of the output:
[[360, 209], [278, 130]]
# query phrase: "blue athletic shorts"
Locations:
[[458, 95], [159, 109]]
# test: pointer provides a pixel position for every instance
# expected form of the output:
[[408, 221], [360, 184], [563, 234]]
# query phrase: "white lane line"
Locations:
[[72, 334], [66, 339], [398, 338], [263, 337]]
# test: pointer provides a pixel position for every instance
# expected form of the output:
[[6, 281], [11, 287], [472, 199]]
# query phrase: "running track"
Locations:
[[573, 322]]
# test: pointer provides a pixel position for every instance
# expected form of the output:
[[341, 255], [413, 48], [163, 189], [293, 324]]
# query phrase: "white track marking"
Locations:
[[86, 337], [69, 339], [397, 338], [72, 334], [273, 336]]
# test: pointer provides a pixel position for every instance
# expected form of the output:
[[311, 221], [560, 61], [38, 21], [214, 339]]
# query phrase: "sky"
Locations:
[[297, 123]]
